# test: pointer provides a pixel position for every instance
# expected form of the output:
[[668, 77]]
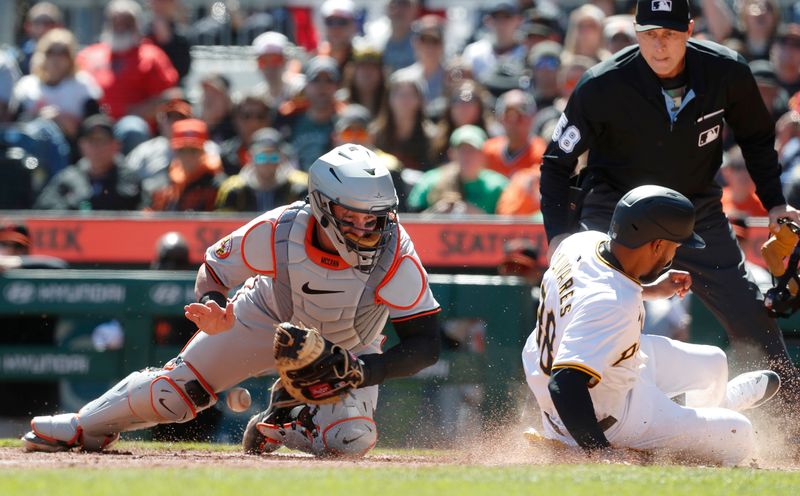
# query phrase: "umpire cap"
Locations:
[[651, 212]]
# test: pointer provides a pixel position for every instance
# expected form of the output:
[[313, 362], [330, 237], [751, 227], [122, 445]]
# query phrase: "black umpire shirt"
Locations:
[[619, 113]]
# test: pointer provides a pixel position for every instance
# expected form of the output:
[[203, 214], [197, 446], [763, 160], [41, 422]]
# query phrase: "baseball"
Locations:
[[238, 399]]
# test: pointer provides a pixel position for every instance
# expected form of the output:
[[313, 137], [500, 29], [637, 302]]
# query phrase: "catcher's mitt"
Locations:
[[312, 369]]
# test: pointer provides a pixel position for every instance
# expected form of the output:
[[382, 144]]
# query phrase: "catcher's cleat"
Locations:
[[32, 442], [751, 389], [276, 416]]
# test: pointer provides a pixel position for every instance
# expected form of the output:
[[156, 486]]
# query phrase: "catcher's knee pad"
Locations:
[[148, 397], [352, 436]]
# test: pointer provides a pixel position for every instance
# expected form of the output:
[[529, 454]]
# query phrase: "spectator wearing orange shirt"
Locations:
[[739, 193], [193, 178], [514, 150]]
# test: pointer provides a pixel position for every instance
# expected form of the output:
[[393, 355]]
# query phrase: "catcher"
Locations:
[[321, 278]]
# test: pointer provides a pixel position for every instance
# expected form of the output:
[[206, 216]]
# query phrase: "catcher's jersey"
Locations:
[[288, 279], [589, 318]]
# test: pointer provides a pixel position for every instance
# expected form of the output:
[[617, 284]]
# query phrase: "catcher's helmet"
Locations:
[[651, 212], [353, 177]]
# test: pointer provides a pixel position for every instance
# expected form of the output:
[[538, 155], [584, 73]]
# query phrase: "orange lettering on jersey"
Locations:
[[629, 352]]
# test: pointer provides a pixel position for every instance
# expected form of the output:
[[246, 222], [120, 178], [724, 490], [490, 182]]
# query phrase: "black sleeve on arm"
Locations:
[[754, 131], [418, 348], [569, 390], [560, 159]]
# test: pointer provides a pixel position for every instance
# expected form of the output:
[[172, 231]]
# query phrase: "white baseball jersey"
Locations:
[[590, 319], [288, 279]]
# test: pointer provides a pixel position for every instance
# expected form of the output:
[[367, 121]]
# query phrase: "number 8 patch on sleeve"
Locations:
[[566, 137]]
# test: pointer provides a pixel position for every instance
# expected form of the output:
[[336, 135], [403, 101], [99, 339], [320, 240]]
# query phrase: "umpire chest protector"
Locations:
[[318, 289]]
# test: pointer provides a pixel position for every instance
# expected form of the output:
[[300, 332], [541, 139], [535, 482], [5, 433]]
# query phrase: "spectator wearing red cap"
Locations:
[[193, 178], [154, 155]]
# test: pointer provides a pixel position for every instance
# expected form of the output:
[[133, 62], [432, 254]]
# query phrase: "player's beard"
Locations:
[[659, 268]]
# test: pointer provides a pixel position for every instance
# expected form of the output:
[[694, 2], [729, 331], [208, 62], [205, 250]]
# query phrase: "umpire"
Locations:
[[654, 114]]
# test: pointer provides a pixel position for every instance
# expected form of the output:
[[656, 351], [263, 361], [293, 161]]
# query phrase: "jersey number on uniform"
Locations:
[[545, 334]]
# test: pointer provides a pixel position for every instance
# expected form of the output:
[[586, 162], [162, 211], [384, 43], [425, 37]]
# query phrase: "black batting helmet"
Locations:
[[651, 212]]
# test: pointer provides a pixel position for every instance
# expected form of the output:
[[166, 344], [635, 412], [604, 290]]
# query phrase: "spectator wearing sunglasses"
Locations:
[[428, 43], [340, 28], [250, 113], [269, 180], [309, 124]]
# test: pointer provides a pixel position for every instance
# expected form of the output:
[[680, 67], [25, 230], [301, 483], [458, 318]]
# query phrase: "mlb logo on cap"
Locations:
[[661, 6], [662, 14]]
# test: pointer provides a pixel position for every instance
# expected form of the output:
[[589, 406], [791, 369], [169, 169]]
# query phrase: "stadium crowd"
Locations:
[[110, 125]]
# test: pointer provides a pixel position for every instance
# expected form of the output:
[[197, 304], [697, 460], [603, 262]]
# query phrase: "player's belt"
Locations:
[[604, 424]]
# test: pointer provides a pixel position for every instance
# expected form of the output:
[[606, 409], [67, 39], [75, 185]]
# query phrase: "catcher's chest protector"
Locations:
[[339, 302]]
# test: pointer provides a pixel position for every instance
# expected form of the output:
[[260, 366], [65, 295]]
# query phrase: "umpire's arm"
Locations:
[[571, 137], [569, 390], [418, 348]]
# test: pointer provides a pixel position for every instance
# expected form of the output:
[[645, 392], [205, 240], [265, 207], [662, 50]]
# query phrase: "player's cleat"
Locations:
[[537, 440], [53, 433], [275, 416], [751, 390]]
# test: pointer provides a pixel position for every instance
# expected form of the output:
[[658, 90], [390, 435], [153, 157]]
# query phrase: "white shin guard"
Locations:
[[143, 399]]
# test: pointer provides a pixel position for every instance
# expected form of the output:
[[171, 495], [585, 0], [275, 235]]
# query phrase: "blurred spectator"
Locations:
[[55, 89], [785, 55], [788, 145], [268, 181], [428, 43], [365, 80], [131, 71], [279, 85], [467, 105], [42, 17], [25, 398], [21, 177], [311, 125], [545, 61], [251, 113], [163, 30], [521, 196], [154, 155], [402, 129], [739, 193], [339, 17], [502, 45], [353, 127], [521, 258], [9, 74], [515, 149], [775, 97], [569, 74], [192, 180], [754, 30], [585, 33], [172, 253], [618, 33], [540, 24], [393, 33], [463, 186], [100, 180], [216, 107]]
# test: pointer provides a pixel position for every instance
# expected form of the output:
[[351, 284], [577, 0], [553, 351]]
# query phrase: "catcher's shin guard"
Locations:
[[273, 419], [143, 399]]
